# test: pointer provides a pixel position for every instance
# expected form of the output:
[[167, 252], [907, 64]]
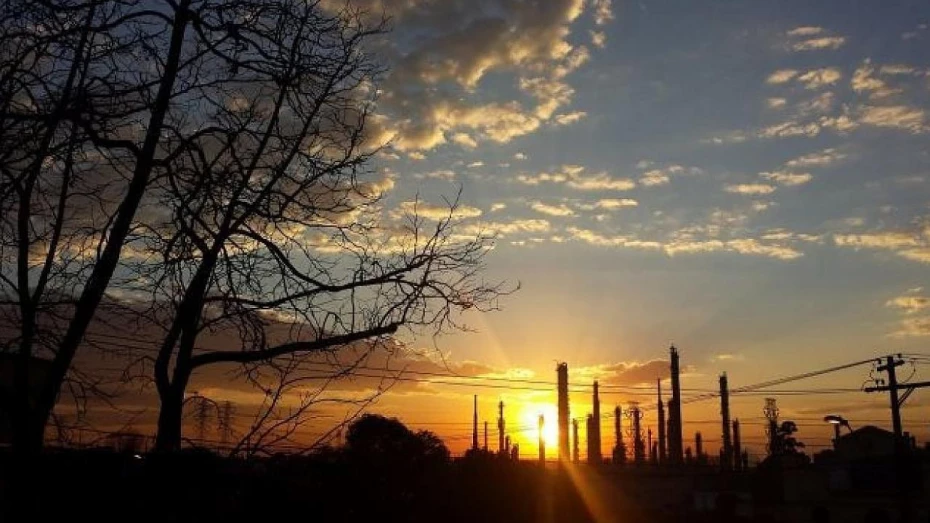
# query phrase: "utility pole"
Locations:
[[900, 447]]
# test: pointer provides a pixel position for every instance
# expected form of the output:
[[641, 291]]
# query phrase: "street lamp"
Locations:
[[836, 420]]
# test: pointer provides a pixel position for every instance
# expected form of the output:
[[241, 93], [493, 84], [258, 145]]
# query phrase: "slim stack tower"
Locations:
[[662, 457], [562, 371], [675, 445], [726, 454], [737, 450], [542, 441], [575, 440], [501, 448], [595, 434], [474, 425]]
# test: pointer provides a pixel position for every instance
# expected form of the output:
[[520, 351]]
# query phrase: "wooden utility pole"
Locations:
[[893, 387]]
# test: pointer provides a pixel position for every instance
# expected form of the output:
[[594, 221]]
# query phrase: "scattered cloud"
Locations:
[[787, 178], [440, 174], [909, 303], [776, 103], [598, 39], [749, 188], [574, 176], [813, 38], [822, 158], [465, 140], [519, 156], [653, 178], [911, 119], [813, 44], [436, 212], [552, 210], [782, 76], [569, 118], [609, 204], [818, 78], [498, 207]]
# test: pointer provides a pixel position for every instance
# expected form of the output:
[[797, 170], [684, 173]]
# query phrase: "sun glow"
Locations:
[[529, 421]]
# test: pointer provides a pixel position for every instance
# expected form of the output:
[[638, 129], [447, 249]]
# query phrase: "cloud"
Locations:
[[817, 78], [552, 210], [817, 159], [781, 76], [805, 31], [653, 178], [574, 176], [598, 39], [912, 327], [687, 245], [911, 119], [909, 303], [775, 103], [865, 81], [601, 182], [621, 374], [436, 212], [878, 240], [464, 140], [498, 207], [610, 204], [603, 12], [430, 93], [441, 174], [787, 178], [569, 118], [501, 228], [812, 38], [813, 44], [475, 164], [749, 188], [519, 156]]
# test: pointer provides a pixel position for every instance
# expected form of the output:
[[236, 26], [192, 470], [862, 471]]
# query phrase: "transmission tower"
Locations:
[[771, 414]]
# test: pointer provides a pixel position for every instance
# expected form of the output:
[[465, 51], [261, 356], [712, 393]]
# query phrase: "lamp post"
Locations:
[[836, 420]]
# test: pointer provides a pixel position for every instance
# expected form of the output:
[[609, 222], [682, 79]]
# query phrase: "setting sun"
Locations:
[[529, 426]]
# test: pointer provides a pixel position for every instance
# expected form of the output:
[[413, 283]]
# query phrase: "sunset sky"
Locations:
[[747, 180]]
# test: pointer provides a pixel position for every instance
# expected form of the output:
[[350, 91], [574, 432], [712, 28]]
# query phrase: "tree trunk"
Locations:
[[168, 438]]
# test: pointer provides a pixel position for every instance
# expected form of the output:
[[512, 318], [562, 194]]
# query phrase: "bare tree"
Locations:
[[71, 180], [269, 216], [209, 157]]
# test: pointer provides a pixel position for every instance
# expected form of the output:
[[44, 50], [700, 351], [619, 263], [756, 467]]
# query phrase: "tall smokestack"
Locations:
[[737, 449], [562, 371], [699, 446], [500, 429], [474, 425], [485, 436], [619, 446], [675, 442], [590, 433], [726, 455], [639, 448], [575, 440], [596, 425], [542, 441], [661, 407]]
